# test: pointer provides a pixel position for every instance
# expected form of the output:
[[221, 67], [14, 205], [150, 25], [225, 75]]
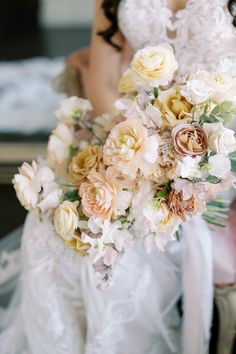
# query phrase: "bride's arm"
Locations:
[[104, 67]]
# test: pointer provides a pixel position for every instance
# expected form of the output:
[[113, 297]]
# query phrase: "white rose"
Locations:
[[58, 145], [220, 166], [66, 219], [73, 108], [220, 139], [27, 186], [154, 66], [196, 91]]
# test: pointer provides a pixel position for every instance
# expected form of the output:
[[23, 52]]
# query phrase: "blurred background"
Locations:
[[35, 38]]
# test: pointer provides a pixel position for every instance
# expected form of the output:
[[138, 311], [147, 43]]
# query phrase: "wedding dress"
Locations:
[[57, 307]]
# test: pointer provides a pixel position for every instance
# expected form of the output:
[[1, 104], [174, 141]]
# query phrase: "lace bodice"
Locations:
[[202, 32]]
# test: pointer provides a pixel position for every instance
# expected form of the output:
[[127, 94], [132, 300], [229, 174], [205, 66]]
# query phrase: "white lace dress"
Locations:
[[57, 308]]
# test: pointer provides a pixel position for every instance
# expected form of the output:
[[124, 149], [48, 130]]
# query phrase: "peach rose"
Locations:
[[83, 162], [102, 197], [189, 139], [129, 148]]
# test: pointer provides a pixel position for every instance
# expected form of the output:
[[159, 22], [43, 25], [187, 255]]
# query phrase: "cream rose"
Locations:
[[66, 220], [58, 145], [175, 108], [129, 148], [73, 108], [155, 66], [220, 139], [189, 139]]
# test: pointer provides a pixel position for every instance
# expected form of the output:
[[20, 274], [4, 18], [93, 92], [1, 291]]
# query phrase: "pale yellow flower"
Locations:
[[155, 65], [127, 82], [174, 107], [83, 162], [66, 220]]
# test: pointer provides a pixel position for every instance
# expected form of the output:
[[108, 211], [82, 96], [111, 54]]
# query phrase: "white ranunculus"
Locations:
[[220, 139], [58, 145], [224, 87], [66, 219], [72, 108], [154, 66], [220, 166], [50, 198], [196, 91], [27, 186], [188, 167]]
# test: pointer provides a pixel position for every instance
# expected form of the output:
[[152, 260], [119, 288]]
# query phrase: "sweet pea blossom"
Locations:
[[50, 198], [107, 235], [188, 167], [58, 145], [220, 166], [73, 108]]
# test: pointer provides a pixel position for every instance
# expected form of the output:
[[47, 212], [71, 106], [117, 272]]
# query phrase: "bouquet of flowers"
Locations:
[[162, 159]]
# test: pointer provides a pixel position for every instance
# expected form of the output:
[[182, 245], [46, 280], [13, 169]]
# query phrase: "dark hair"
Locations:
[[232, 10], [110, 8]]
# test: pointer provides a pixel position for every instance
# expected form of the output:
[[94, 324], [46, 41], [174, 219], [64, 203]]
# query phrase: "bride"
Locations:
[[57, 307]]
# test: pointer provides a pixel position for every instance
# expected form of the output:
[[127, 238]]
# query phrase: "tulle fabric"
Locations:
[[58, 309]]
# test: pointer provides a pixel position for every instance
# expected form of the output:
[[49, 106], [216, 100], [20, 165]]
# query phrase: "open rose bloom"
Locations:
[[163, 160]]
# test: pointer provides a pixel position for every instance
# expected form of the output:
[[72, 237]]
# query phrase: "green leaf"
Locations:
[[72, 196], [232, 155], [233, 165], [212, 179]]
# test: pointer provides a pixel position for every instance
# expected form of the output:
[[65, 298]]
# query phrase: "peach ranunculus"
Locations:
[[174, 107], [86, 160], [189, 139], [155, 66], [129, 148], [102, 197]]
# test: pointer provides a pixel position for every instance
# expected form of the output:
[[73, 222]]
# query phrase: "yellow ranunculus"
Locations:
[[174, 107]]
